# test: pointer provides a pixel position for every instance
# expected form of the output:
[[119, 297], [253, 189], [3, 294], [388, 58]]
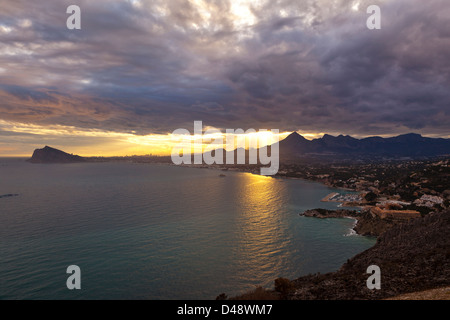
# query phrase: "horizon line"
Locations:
[[149, 154]]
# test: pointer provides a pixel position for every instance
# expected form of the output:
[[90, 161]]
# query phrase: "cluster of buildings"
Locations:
[[429, 201]]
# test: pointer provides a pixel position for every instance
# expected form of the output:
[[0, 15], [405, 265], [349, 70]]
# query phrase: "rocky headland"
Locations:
[[52, 155], [367, 224]]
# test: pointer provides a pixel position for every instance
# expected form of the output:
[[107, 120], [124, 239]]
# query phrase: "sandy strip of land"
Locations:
[[328, 197]]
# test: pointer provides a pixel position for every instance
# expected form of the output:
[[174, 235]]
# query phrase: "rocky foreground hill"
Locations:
[[413, 256]]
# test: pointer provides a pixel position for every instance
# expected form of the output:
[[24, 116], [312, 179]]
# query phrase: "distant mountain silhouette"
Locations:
[[51, 155], [409, 145], [295, 147]]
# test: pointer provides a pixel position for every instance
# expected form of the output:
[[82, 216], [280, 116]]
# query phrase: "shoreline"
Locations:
[[366, 224], [413, 258], [353, 231], [330, 196]]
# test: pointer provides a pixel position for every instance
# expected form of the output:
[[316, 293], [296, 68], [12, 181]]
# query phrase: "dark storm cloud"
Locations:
[[155, 66]]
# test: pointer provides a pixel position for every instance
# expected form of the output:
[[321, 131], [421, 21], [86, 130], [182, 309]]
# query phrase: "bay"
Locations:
[[142, 231]]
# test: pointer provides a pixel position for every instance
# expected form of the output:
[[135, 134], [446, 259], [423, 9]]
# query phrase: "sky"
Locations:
[[139, 70]]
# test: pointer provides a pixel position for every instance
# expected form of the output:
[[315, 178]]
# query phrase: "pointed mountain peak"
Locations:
[[295, 136], [294, 141]]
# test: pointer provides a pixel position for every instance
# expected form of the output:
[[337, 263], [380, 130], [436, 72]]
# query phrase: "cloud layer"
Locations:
[[145, 67]]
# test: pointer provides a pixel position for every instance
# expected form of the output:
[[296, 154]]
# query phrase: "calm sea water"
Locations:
[[141, 231]]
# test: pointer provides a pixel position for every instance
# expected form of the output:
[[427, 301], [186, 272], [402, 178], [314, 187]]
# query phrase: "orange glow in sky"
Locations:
[[89, 142]]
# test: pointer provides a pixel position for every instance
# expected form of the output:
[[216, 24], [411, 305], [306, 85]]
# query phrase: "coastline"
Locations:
[[353, 215], [413, 258], [353, 231], [361, 227], [330, 196], [277, 176], [366, 223]]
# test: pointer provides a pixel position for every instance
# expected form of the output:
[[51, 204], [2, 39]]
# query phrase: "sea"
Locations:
[[160, 232]]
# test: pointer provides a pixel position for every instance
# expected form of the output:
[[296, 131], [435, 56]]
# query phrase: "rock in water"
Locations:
[[51, 155]]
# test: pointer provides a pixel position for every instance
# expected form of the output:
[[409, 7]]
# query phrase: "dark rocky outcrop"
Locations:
[[51, 155], [367, 225], [9, 195], [413, 256], [325, 214]]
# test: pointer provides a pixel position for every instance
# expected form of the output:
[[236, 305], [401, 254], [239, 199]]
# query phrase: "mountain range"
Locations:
[[404, 146]]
